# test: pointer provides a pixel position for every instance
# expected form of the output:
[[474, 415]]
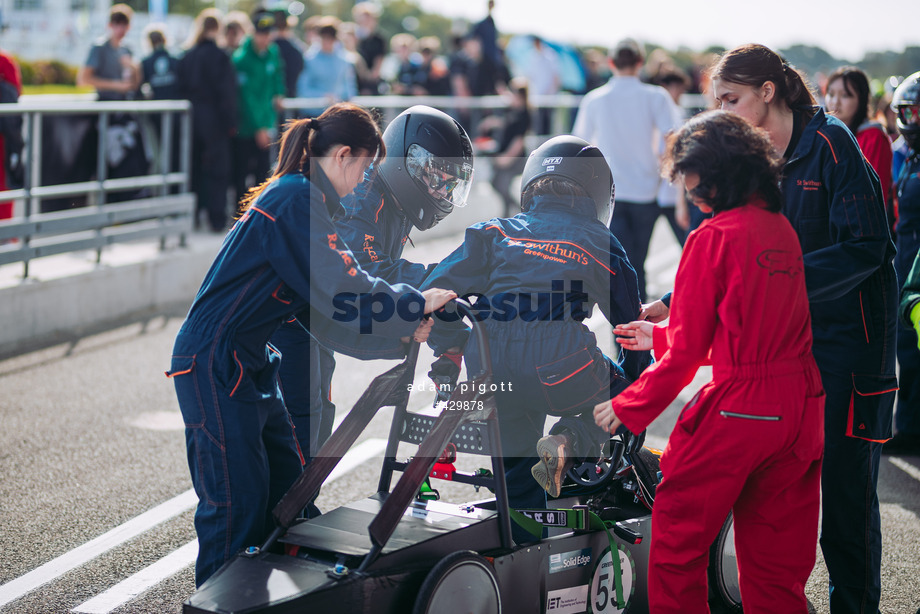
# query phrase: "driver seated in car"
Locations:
[[537, 277]]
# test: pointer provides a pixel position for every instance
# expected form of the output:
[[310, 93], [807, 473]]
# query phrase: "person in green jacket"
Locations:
[[260, 74], [909, 312], [910, 298]]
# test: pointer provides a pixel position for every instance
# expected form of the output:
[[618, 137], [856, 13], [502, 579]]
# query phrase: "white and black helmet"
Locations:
[[577, 160], [905, 103], [429, 165]]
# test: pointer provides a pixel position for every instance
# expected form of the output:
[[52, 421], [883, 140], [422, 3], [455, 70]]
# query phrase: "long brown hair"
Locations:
[[754, 65], [208, 21], [341, 124]]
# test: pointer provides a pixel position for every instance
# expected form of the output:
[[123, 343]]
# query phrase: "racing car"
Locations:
[[403, 550]]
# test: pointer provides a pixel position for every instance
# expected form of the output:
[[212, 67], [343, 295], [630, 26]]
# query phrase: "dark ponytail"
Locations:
[[754, 65], [341, 124]]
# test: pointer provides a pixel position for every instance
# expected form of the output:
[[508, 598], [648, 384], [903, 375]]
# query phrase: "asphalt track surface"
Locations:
[[95, 500]]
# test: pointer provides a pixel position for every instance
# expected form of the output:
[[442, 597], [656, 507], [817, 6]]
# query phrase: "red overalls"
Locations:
[[751, 441]]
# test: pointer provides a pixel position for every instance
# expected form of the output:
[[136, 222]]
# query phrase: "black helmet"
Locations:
[[429, 165], [904, 102], [573, 158]]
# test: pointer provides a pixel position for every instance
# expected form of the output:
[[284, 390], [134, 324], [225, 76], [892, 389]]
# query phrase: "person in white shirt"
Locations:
[[625, 118], [543, 73]]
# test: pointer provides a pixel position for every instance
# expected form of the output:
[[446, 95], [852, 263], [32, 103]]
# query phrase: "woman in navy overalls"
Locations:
[[282, 257]]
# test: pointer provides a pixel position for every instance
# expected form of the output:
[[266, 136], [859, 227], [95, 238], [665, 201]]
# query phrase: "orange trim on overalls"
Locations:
[[240, 379], [278, 298], [862, 312], [189, 370], [549, 241], [833, 153], [253, 208], [572, 374], [379, 209]]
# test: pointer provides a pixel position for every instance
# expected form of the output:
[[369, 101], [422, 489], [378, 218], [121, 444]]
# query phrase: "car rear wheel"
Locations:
[[462, 582], [724, 588]]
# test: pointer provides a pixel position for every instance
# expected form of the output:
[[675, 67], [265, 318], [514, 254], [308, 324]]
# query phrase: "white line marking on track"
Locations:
[[14, 589], [357, 456], [171, 564], [906, 467], [136, 584]]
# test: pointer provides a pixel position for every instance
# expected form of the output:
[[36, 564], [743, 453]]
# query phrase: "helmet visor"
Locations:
[[445, 179], [909, 114]]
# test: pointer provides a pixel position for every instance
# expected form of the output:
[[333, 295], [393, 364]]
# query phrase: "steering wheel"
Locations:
[[594, 474]]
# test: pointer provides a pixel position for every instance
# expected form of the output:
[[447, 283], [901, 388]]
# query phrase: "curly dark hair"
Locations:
[[733, 160]]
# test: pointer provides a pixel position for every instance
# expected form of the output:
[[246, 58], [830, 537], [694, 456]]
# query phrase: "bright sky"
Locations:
[[845, 28]]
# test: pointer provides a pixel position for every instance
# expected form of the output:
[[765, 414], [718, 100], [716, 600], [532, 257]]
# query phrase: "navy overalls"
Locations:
[[282, 257], [542, 272], [376, 234], [834, 202]]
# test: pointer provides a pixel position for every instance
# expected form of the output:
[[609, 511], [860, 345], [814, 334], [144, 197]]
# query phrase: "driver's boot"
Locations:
[[555, 454]]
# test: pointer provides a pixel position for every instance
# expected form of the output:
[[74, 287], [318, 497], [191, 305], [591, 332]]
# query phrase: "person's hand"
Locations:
[[605, 418], [435, 298], [654, 312], [263, 140], [635, 335], [681, 208], [682, 215], [424, 329], [502, 161]]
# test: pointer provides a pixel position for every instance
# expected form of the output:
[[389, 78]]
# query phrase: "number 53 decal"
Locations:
[[614, 583]]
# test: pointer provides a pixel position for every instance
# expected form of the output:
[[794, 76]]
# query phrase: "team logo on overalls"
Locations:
[[779, 261]]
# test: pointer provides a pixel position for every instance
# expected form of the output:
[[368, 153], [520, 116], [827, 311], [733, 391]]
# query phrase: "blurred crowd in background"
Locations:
[[274, 54]]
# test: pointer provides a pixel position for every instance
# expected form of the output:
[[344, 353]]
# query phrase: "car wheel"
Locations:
[[460, 583], [724, 588]]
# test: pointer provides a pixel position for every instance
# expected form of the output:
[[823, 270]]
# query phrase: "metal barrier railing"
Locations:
[[471, 107], [158, 213], [35, 234]]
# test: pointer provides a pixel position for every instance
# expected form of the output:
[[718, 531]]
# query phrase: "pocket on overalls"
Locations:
[[871, 407], [284, 294], [182, 373], [758, 412], [575, 382], [205, 453]]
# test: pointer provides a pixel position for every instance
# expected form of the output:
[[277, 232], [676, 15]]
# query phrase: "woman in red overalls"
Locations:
[[751, 441]]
